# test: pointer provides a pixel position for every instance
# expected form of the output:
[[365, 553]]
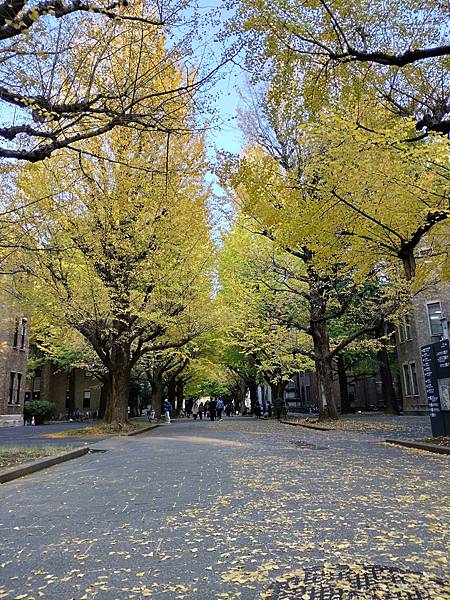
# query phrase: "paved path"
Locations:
[[218, 510], [39, 435]]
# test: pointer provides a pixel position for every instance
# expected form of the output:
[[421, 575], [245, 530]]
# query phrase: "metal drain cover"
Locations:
[[358, 582]]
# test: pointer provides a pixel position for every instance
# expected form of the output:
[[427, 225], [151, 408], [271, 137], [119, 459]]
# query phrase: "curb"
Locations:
[[143, 430], [39, 464], [419, 446], [307, 426]]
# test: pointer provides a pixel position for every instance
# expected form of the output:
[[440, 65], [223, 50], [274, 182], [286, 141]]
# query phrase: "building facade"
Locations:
[[14, 330], [74, 391], [421, 326]]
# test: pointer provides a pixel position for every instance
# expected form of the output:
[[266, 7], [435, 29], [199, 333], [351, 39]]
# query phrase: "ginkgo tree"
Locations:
[[60, 81], [395, 52], [124, 247], [389, 198], [278, 185], [259, 315]]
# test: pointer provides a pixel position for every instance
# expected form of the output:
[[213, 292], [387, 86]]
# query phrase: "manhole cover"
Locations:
[[358, 582], [307, 445]]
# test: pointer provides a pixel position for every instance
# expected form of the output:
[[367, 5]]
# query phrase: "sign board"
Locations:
[[436, 371]]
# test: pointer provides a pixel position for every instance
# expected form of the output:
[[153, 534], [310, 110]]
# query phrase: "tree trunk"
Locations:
[[343, 386], [324, 371], [172, 394], [278, 403], [134, 402], [104, 392], [253, 388], [409, 264], [117, 406], [387, 385], [71, 392], [180, 395], [157, 394]]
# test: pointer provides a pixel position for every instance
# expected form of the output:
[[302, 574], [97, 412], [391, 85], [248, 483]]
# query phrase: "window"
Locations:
[[434, 317], [407, 323], [404, 329], [415, 387], [16, 333], [410, 379], [407, 379], [87, 399], [23, 333], [12, 377], [19, 382]]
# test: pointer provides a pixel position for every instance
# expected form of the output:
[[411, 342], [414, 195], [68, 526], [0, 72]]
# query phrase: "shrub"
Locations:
[[41, 410]]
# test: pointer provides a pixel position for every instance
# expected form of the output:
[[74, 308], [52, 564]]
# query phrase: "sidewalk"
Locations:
[[202, 510]]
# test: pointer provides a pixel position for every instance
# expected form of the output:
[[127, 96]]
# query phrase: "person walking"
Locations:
[[201, 410], [206, 409], [195, 410], [167, 410], [219, 408], [212, 409]]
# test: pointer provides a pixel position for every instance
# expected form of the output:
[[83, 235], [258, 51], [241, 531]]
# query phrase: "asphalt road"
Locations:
[[220, 510]]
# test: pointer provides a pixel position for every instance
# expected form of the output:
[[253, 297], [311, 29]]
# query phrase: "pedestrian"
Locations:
[[269, 409], [212, 409], [219, 408], [206, 409], [201, 409], [195, 410], [258, 409], [228, 409], [167, 410], [151, 413]]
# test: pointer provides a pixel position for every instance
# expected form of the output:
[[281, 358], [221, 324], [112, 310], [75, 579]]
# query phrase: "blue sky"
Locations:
[[224, 133]]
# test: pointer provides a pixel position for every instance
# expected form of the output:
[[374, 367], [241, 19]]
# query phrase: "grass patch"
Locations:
[[11, 456], [101, 429]]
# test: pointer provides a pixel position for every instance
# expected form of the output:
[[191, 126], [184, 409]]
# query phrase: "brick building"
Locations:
[[421, 326], [14, 329], [69, 391]]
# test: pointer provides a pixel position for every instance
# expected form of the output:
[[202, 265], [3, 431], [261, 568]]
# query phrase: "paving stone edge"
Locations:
[[39, 464], [420, 446], [143, 430], [307, 425]]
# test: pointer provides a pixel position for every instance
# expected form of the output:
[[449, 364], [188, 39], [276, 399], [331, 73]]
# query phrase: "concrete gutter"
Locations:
[[39, 464], [143, 430], [421, 446], [307, 426]]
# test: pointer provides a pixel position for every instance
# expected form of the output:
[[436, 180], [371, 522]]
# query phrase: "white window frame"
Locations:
[[404, 329], [427, 304], [411, 385]]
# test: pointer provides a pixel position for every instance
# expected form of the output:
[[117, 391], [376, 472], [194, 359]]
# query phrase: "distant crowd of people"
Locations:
[[213, 409]]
